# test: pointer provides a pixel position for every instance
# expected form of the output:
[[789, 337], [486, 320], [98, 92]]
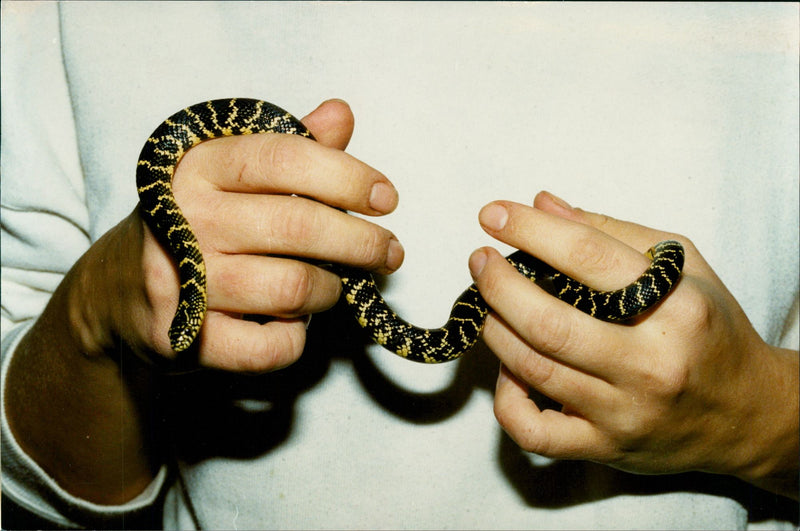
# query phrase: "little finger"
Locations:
[[548, 432]]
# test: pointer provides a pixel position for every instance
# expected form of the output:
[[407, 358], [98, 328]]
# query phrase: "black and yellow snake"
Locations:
[[237, 116]]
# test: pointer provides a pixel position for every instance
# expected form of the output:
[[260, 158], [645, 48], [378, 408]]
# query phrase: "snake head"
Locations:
[[185, 328], [180, 339]]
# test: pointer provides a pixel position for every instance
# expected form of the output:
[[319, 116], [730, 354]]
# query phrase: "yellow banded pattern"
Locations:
[[240, 116]]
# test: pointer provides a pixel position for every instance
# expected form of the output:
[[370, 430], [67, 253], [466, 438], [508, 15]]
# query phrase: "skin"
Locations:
[[76, 400], [691, 386]]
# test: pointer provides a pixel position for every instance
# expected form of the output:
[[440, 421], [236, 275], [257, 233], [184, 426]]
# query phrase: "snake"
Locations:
[[204, 121]]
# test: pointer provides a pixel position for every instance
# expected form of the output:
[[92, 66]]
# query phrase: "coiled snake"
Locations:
[[236, 116]]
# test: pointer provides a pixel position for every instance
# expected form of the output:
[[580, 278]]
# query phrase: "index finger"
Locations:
[[633, 234], [578, 250], [270, 163]]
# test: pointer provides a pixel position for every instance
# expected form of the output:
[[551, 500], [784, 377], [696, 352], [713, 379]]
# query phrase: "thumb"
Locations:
[[331, 123]]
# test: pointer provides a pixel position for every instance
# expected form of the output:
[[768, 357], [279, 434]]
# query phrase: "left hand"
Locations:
[[690, 385]]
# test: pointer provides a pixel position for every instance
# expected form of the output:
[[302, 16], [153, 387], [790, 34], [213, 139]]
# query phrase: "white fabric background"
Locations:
[[678, 116]]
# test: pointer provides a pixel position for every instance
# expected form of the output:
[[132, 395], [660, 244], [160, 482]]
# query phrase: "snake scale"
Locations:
[[238, 116]]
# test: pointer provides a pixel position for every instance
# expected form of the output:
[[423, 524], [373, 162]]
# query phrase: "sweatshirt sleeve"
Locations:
[[44, 230]]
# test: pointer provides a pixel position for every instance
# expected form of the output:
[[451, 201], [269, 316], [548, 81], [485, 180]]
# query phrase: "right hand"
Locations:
[[237, 193]]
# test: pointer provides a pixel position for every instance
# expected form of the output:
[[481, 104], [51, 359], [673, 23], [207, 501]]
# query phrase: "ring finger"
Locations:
[[566, 385], [264, 285]]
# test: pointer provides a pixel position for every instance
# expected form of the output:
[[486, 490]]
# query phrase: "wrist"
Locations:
[[772, 460], [69, 404], [99, 292]]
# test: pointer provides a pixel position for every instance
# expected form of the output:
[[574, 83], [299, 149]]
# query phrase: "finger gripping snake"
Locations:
[[237, 116]]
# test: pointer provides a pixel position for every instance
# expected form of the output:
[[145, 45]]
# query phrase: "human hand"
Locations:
[[80, 409], [253, 201], [687, 386]]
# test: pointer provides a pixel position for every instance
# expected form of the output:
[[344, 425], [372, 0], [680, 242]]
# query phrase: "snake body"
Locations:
[[237, 116]]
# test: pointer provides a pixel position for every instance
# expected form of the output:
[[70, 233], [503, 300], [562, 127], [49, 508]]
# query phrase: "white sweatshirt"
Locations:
[[682, 117]]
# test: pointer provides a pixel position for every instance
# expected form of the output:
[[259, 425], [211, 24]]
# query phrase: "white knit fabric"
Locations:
[[681, 117]]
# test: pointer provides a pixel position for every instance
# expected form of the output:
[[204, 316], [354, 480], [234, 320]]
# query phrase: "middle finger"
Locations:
[[549, 325], [296, 226]]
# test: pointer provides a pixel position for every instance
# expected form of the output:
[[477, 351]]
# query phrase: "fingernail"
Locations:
[[383, 197], [332, 100], [493, 217], [502, 378], [395, 255], [477, 261], [560, 202]]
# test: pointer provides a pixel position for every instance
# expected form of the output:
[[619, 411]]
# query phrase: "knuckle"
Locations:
[[674, 381], [281, 345], [531, 437], [489, 284], [539, 440], [292, 224], [630, 434], [160, 282], [552, 331], [658, 392], [287, 348], [684, 240], [502, 414], [229, 156], [697, 312], [537, 370], [599, 220], [636, 431], [630, 427], [590, 256], [492, 282], [196, 158], [373, 249], [206, 212], [508, 419], [277, 155], [294, 289]]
